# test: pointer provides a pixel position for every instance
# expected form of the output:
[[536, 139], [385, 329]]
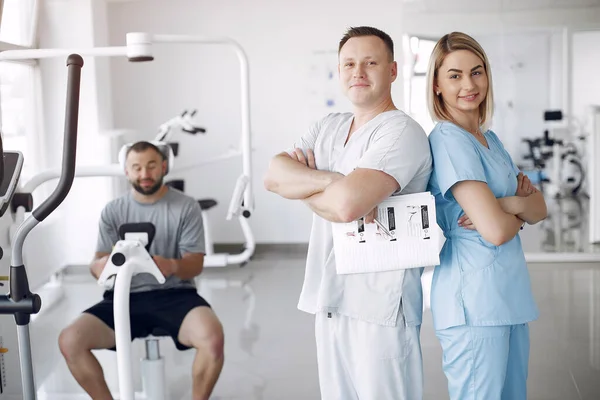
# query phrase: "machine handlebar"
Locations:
[[74, 65]]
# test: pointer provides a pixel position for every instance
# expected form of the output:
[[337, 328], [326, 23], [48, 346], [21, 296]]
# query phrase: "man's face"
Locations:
[[145, 171], [366, 71]]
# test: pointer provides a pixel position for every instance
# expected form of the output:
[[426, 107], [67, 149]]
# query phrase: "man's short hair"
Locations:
[[142, 146], [368, 31]]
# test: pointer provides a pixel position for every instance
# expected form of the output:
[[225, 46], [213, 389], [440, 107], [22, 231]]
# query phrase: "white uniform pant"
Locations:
[[363, 361]]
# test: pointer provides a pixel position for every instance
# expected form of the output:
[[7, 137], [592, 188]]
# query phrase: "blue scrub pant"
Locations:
[[486, 362]]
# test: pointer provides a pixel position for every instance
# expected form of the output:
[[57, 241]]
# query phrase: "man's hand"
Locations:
[[524, 186], [308, 160], [98, 266], [167, 266], [370, 217]]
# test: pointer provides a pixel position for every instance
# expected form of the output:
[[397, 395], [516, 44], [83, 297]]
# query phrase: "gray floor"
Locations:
[[270, 350]]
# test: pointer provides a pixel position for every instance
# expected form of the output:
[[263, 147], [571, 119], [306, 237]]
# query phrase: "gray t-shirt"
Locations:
[[178, 221]]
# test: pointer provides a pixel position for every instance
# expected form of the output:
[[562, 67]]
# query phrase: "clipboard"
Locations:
[[406, 236]]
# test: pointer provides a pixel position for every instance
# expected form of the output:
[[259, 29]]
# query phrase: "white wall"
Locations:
[[521, 66], [281, 40], [585, 90], [508, 17], [68, 236], [586, 84]]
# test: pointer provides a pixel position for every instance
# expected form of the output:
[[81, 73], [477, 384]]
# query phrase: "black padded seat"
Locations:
[[158, 332], [207, 204]]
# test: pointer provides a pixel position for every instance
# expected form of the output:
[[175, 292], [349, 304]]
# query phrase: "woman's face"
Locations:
[[462, 82]]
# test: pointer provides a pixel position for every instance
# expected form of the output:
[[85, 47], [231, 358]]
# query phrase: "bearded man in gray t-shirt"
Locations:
[[173, 308]]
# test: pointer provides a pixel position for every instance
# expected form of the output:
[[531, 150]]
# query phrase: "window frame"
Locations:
[[409, 80], [34, 136], [33, 29]]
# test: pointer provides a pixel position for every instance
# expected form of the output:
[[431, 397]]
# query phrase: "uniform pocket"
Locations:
[[501, 292], [381, 342], [475, 254], [373, 297]]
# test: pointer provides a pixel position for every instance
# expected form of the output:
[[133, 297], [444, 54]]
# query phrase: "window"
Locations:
[[19, 19], [18, 112], [416, 85]]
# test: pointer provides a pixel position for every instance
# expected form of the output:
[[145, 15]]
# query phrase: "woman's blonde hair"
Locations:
[[447, 44]]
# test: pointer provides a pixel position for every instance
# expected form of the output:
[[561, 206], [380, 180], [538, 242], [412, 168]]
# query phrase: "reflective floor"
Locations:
[[270, 351]]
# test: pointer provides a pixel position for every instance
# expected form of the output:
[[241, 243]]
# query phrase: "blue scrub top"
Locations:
[[476, 283]]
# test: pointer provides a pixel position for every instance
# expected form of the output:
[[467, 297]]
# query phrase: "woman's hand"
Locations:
[[524, 186], [466, 223]]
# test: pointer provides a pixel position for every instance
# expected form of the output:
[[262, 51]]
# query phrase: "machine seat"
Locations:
[[207, 204], [156, 333]]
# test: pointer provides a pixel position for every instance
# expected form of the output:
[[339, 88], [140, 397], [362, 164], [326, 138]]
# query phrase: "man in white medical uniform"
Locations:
[[367, 325]]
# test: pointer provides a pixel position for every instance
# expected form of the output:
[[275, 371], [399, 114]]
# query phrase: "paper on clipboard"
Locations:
[[414, 241]]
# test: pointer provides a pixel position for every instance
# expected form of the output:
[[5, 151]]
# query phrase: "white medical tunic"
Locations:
[[391, 142]]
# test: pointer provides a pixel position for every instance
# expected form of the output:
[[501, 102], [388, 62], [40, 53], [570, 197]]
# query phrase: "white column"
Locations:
[[593, 174]]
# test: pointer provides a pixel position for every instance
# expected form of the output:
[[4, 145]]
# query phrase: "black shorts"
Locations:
[[159, 311]]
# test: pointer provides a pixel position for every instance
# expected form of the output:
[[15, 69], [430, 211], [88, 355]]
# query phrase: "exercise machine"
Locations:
[[130, 257], [139, 48], [10, 378], [557, 161], [565, 226], [20, 302], [186, 123], [236, 206]]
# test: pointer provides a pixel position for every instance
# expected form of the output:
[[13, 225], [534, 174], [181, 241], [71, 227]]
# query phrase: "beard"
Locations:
[[148, 191]]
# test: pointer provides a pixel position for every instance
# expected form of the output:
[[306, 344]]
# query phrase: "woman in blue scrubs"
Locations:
[[481, 296]]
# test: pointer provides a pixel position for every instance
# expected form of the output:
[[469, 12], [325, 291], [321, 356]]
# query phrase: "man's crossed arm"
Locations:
[[333, 196], [295, 176]]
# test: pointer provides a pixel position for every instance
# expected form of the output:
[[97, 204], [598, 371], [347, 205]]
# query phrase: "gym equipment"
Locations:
[[10, 379], [20, 302], [130, 257], [183, 121], [236, 207], [565, 226], [138, 48], [557, 163]]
